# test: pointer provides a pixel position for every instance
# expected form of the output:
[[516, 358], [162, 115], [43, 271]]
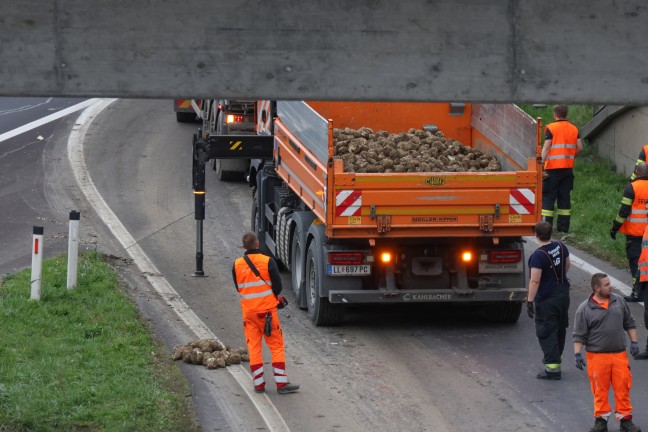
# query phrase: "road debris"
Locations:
[[210, 353]]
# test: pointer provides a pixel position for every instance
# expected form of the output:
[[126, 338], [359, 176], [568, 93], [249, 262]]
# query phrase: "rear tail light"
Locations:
[[466, 256], [346, 258], [231, 118], [504, 256], [386, 257]]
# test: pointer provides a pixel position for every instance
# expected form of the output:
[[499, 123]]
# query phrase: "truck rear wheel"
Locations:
[[254, 219], [297, 271], [503, 312], [320, 310]]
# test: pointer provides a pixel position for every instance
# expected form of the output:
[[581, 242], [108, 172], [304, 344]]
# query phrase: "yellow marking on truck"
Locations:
[[236, 144], [355, 220], [435, 181], [515, 218]]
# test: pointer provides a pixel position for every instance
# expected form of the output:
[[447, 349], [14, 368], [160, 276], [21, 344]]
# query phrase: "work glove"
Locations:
[[634, 348], [615, 228], [282, 302], [531, 309], [579, 361]]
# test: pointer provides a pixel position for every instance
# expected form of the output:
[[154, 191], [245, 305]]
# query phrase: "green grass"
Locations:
[[578, 114], [597, 193], [596, 198], [83, 359]]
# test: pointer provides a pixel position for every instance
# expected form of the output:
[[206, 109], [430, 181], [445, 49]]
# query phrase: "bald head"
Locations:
[[641, 170]]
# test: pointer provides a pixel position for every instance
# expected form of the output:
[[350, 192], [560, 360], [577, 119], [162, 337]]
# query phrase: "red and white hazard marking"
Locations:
[[522, 201], [348, 203]]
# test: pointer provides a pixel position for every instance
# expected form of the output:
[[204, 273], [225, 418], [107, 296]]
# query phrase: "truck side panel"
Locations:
[[514, 131]]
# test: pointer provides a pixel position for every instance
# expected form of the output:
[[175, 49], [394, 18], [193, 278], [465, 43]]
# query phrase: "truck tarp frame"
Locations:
[[474, 50]]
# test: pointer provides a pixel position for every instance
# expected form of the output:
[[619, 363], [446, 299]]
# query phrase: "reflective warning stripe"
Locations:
[[560, 157], [257, 295], [184, 103], [522, 201], [348, 203], [255, 283]]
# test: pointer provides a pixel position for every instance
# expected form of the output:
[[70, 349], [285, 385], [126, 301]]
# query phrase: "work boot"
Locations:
[[288, 388], [600, 425], [628, 426], [546, 375], [632, 298]]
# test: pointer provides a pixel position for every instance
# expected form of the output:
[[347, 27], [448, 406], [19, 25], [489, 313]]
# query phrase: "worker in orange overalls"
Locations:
[[632, 220], [258, 282], [599, 324], [559, 151]]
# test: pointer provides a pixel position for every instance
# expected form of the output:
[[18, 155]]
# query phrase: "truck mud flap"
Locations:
[[427, 296], [240, 146]]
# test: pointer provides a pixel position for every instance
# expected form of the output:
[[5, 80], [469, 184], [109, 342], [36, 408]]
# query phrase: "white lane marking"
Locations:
[[25, 108], [264, 406], [47, 119]]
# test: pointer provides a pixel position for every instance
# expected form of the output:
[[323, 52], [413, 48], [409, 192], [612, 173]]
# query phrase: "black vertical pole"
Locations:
[[199, 161]]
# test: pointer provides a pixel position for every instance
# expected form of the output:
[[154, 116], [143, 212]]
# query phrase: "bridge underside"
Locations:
[[436, 50]]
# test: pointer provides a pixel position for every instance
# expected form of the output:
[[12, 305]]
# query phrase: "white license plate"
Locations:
[[349, 270]]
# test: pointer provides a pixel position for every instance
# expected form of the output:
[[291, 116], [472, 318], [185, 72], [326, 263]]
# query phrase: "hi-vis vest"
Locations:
[[635, 224], [563, 145], [256, 295], [643, 258]]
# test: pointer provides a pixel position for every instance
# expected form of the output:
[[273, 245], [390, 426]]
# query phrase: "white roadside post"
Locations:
[[73, 249], [37, 262]]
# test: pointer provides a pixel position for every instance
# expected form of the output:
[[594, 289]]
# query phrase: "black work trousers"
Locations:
[[643, 294], [556, 189], [633, 250], [551, 321]]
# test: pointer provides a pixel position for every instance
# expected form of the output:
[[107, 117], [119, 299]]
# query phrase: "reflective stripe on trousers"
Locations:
[[253, 325]]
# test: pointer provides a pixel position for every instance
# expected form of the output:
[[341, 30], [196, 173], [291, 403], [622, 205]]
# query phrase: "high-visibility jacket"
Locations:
[[643, 258], [256, 291], [637, 221], [563, 145]]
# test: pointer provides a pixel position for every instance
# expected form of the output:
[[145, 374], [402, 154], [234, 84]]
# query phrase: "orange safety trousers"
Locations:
[[253, 325], [606, 368]]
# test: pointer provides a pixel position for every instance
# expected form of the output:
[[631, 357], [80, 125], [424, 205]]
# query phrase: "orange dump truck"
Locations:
[[398, 237]]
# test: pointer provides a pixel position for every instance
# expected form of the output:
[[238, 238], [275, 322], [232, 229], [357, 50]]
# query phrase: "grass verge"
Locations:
[[597, 193], [83, 359]]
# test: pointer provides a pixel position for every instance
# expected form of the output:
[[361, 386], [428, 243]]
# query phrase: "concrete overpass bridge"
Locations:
[[413, 50]]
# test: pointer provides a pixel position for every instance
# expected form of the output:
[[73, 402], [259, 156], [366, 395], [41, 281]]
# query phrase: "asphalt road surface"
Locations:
[[410, 367]]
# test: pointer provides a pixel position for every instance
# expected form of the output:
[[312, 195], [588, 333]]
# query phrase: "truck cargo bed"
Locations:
[[398, 205]]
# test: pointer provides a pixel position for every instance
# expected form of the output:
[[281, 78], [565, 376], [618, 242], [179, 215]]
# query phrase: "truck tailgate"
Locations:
[[433, 204]]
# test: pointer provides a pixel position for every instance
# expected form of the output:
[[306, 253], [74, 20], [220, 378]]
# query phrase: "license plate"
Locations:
[[349, 270]]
